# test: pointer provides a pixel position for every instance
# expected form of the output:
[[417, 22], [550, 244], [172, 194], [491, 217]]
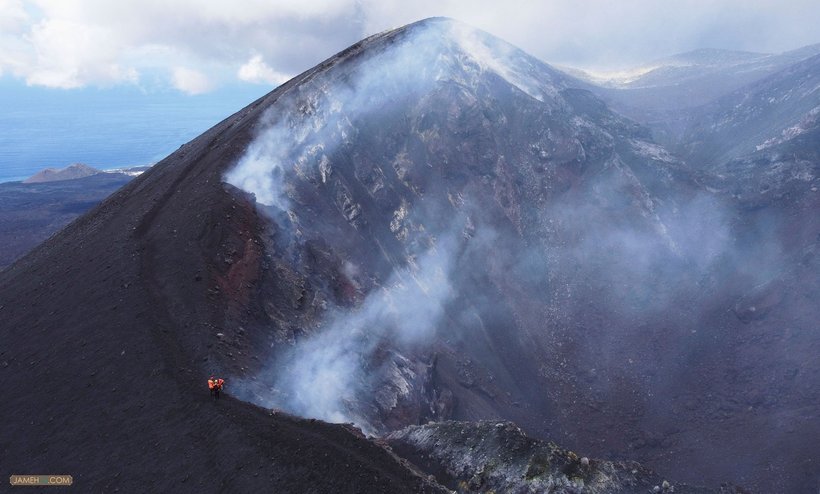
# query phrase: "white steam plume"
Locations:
[[325, 375]]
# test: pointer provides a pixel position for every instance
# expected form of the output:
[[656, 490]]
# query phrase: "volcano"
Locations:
[[430, 225]]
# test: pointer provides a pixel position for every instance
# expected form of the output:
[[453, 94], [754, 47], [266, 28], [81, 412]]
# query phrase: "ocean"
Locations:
[[104, 128]]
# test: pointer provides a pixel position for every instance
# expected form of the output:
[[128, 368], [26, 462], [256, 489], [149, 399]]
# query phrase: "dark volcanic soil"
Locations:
[[30, 213]]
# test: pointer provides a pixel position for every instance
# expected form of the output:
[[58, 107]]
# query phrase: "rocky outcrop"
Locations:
[[492, 456]]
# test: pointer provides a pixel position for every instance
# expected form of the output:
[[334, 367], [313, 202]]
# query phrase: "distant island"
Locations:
[[79, 170]]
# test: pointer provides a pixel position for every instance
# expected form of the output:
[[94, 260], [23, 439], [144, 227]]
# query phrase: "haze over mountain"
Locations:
[[661, 94], [758, 116], [430, 225]]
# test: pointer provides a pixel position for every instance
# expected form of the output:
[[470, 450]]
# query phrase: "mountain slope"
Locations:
[[472, 236], [101, 382], [429, 225], [755, 117], [30, 213], [664, 94], [451, 182], [475, 237]]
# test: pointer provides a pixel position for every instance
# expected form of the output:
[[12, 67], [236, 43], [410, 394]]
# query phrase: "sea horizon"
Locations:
[[113, 169], [106, 129]]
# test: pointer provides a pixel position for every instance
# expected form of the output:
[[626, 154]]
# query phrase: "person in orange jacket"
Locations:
[[215, 386]]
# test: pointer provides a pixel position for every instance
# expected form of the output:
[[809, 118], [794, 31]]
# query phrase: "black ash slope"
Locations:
[[101, 379], [30, 213]]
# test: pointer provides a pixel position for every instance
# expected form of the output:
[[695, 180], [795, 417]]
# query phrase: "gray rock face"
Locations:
[[498, 457], [476, 164]]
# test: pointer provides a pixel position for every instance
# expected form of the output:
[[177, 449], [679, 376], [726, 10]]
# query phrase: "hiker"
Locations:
[[215, 386]]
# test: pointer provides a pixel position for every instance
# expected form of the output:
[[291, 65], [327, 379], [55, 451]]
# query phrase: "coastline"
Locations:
[[132, 170]]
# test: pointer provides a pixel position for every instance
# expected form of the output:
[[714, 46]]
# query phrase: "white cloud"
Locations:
[[71, 43], [191, 81], [69, 54], [612, 34], [13, 22], [74, 43], [13, 16], [258, 72]]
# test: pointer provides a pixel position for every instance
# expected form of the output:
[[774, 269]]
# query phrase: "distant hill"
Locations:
[[71, 172]]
